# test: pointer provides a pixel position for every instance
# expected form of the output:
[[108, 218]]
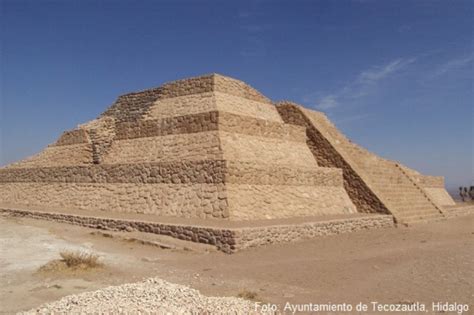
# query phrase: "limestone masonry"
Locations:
[[213, 147]]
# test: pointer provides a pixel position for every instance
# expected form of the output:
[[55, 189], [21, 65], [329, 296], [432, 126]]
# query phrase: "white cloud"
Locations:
[[361, 86], [381, 72], [327, 102], [451, 65]]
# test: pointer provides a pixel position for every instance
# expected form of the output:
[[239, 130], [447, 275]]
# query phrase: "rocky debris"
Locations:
[[151, 296]]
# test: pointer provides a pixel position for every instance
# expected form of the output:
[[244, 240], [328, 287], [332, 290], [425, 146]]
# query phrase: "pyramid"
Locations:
[[206, 147], [212, 147]]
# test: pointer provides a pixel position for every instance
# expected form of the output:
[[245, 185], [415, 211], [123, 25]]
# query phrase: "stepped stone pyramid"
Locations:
[[212, 147]]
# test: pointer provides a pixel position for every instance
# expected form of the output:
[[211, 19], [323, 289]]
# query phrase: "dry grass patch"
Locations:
[[80, 260], [72, 261], [248, 295]]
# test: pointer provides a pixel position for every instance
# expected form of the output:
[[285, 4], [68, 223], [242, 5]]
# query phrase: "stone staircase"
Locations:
[[101, 134], [385, 179], [391, 183], [403, 197]]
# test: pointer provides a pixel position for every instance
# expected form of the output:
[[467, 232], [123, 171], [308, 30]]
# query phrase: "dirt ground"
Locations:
[[424, 263]]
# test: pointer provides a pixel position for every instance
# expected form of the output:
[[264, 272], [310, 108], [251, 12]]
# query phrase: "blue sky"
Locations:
[[395, 76]]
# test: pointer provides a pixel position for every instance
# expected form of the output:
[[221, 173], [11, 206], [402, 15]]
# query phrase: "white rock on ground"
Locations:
[[152, 296]]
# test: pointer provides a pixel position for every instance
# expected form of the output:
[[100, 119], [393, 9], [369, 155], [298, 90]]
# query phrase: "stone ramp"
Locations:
[[373, 183]]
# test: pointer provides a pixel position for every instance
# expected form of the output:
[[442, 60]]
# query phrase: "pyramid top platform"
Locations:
[[141, 101]]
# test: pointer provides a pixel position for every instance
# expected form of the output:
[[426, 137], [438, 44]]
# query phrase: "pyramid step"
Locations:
[[412, 205], [409, 208], [422, 220], [403, 195], [399, 187], [408, 205], [400, 192], [421, 216], [417, 212], [410, 211]]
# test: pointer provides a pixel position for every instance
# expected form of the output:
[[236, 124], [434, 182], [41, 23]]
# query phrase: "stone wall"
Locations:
[[222, 238], [181, 200], [209, 121], [228, 240], [177, 172], [182, 106], [188, 86], [239, 172], [238, 124], [238, 88], [245, 107], [135, 106], [265, 150], [194, 123], [255, 237], [259, 202], [207, 83], [211, 101], [54, 156], [250, 190], [179, 147], [76, 136], [132, 106]]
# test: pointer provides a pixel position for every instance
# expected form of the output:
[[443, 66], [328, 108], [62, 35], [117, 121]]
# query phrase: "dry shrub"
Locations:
[[248, 295], [72, 261], [80, 259]]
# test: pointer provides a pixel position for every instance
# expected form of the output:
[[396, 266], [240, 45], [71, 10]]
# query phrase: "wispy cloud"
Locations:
[[352, 118], [253, 31], [451, 65], [364, 83], [378, 73], [327, 102]]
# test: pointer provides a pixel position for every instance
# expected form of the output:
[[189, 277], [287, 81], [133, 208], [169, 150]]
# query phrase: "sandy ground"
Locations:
[[423, 263]]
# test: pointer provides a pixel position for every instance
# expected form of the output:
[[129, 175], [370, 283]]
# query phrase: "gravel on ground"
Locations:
[[151, 296]]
